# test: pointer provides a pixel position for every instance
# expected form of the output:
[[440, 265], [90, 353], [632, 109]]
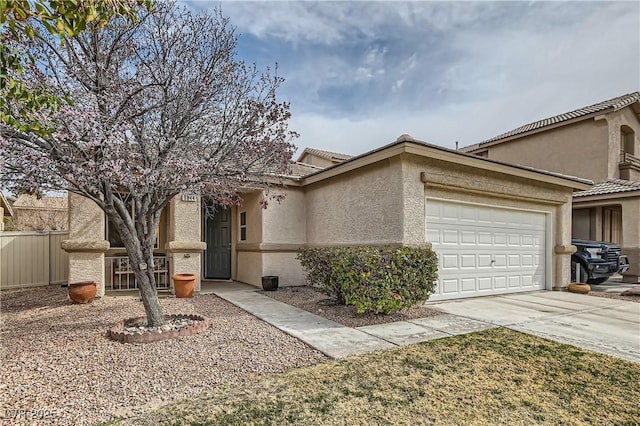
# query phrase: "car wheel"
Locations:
[[597, 281], [584, 274]]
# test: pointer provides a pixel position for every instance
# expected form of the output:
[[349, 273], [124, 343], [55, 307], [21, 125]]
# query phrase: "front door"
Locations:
[[217, 235]]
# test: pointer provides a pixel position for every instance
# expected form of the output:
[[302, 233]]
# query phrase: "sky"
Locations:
[[361, 73]]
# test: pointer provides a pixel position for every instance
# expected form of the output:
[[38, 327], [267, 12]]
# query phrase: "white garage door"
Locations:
[[485, 250]]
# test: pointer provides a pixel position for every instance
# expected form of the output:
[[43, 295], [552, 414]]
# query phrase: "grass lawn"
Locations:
[[497, 376]]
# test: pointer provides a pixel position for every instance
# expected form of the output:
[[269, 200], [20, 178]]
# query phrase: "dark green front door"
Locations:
[[217, 235]]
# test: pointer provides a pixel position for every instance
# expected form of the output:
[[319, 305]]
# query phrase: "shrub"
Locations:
[[373, 279]]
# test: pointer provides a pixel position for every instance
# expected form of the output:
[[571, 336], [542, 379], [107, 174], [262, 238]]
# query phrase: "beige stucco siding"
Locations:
[[87, 237], [249, 267], [87, 218], [285, 266], [185, 238], [631, 236], [362, 206], [624, 117], [575, 149], [285, 222], [251, 207]]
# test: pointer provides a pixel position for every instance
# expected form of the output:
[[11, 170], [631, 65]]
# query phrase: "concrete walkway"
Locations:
[[336, 340], [613, 285], [603, 325]]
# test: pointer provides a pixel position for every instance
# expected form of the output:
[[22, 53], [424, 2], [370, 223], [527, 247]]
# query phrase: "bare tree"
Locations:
[[157, 108]]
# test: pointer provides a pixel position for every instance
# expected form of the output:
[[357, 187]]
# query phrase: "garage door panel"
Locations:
[[485, 283], [468, 261], [485, 250], [500, 283]]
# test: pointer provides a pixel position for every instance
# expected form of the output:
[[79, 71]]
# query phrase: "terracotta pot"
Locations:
[[579, 288], [82, 292], [184, 284]]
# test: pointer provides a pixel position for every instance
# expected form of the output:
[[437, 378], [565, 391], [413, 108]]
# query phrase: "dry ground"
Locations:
[[615, 296], [58, 367], [497, 376], [316, 302]]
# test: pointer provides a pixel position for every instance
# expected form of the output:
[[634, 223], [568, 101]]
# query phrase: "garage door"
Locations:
[[485, 250]]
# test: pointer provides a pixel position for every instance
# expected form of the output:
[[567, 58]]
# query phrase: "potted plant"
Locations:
[[183, 285], [580, 288], [270, 283], [82, 291]]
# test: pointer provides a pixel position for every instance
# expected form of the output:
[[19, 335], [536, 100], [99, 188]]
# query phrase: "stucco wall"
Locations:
[[285, 266], [581, 224], [86, 232], [575, 149], [285, 222], [615, 120], [631, 237], [251, 206], [250, 268], [185, 238], [86, 219], [359, 207]]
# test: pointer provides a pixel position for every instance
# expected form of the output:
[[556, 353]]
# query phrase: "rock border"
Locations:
[[118, 334]]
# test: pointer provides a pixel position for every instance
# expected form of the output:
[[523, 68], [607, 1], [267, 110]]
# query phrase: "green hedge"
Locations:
[[382, 280]]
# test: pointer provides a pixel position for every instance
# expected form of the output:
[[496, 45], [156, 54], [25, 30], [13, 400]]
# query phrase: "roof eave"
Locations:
[[471, 149], [605, 197], [433, 151]]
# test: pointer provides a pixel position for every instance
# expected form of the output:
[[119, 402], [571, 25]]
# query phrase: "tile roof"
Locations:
[[32, 202], [615, 104], [8, 211], [612, 186], [331, 156], [298, 169]]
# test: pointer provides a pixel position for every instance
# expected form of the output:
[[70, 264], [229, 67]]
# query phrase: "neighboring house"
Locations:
[[497, 228], [40, 214], [6, 211], [320, 158], [600, 142]]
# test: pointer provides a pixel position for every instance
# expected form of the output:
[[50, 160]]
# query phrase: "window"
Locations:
[[628, 140], [243, 226], [612, 224]]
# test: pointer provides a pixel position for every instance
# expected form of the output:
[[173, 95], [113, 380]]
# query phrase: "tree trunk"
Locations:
[[152, 308], [147, 288]]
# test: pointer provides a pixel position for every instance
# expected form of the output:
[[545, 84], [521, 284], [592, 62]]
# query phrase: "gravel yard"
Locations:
[[58, 366], [615, 296], [311, 300]]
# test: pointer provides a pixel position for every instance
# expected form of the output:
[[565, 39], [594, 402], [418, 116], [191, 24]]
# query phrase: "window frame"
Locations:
[[242, 235]]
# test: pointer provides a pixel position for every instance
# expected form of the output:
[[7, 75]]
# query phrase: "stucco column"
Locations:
[[413, 205], [563, 247], [631, 238], [185, 245], [86, 244]]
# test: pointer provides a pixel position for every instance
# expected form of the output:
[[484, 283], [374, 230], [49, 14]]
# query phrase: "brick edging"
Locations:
[[117, 333]]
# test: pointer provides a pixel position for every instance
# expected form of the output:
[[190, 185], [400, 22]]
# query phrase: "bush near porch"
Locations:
[[381, 280]]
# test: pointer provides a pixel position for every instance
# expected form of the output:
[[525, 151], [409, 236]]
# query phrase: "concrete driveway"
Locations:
[[603, 325]]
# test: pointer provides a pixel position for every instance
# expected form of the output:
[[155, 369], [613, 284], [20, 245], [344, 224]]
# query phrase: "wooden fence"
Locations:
[[30, 259]]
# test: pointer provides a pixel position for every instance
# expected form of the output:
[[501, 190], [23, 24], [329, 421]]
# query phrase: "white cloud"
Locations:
[[359, 74]]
